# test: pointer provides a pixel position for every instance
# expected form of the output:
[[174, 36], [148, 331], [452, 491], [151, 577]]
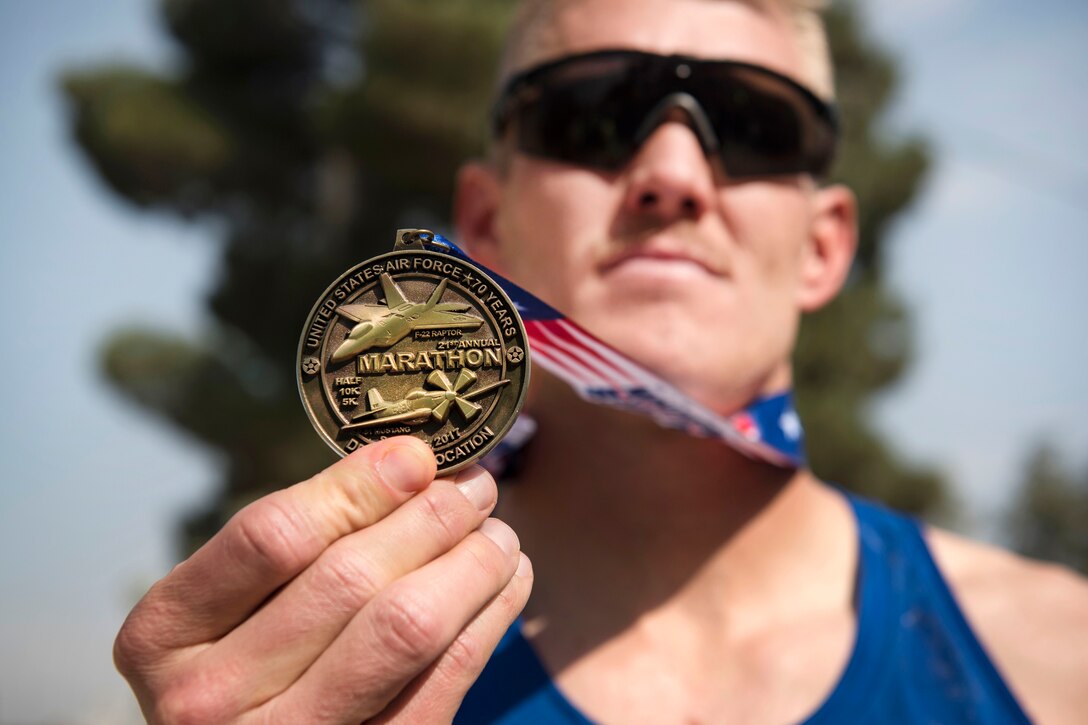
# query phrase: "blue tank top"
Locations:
[[915, 658]]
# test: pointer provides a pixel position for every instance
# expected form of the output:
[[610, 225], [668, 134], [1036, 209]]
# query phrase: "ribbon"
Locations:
[[768, 429]]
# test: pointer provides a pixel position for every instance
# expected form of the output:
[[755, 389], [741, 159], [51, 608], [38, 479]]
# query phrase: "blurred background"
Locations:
[[183, 177]]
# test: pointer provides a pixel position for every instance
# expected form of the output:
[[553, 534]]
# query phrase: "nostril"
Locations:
[[689, 206], [647, 199]]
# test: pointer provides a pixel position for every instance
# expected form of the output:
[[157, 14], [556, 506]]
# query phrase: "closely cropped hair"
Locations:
[[529, 36], [812, 35]]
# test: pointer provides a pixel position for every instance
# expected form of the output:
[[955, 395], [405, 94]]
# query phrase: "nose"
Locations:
[[670, 177]]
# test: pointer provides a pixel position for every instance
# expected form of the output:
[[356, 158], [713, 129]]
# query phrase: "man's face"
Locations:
[[697, 277]]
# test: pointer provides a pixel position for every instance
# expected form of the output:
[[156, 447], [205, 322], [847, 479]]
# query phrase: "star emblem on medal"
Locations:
[[310, 365]]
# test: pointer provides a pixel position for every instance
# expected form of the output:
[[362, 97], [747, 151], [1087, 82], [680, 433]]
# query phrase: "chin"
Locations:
[[708, 371], [669, 327]]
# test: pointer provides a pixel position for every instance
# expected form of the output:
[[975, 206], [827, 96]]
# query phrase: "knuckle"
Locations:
[[509, 601], [186, 704], [447, 508], [408, 629], [356, 491], [488, 559], [140, 639], [131, 647], [349, 576], [268, 532], [465, 654], [356, 472]]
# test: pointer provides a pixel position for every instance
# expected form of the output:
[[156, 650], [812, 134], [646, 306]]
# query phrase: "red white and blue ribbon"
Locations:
[[767, 430]]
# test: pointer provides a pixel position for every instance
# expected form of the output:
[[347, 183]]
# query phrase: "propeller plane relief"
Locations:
[[421, 404]]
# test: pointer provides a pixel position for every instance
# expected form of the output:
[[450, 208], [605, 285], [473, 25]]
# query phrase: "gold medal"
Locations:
[[419, 343]]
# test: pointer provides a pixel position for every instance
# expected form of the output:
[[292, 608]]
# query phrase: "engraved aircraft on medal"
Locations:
[[440, 354], [385, 325], [420, 404]]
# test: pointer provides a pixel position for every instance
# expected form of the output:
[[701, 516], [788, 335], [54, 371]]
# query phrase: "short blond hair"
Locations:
[[533, 19]]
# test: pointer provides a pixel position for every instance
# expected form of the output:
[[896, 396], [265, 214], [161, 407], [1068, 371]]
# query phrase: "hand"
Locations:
[[368, 591]]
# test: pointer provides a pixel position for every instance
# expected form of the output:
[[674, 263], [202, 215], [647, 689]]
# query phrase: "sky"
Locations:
[[991, 261]]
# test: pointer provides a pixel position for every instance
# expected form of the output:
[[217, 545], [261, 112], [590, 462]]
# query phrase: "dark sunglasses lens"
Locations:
[[591, 111], [585, 113], [765, 126]]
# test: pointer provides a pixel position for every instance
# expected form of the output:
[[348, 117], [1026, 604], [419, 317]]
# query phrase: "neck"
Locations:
[[627, 522]]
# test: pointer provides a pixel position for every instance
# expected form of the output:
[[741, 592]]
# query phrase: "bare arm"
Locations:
[[367, 591], [1031, 617]]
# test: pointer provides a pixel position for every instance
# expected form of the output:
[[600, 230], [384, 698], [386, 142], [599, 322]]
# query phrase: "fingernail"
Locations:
[[525, 567], [403, 467], [479, 490], [503, 536]]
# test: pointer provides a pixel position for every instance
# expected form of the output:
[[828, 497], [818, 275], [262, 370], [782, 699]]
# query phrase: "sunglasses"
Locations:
[[597, 109]]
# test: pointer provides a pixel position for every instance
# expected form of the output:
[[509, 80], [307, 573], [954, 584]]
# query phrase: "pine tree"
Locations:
[[860, 344], [309, 130], [1050, 518]]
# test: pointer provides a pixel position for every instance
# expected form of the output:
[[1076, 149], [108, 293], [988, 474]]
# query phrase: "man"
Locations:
[[675, 579]]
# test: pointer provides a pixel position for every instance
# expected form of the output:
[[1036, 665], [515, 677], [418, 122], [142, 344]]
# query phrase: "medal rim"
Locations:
[[526, 362]]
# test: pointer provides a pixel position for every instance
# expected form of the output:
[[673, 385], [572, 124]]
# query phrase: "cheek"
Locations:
[[551, 222], [770, 226]]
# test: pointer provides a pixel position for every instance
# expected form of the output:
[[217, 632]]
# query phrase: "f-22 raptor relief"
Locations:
[[385, 325]]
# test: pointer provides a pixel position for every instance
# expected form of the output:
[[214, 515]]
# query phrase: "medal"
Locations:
[[414, 342], [425, 342]]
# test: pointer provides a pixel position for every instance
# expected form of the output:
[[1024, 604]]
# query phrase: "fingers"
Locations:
[[284, 637], [400, 632], [268, 543], [436, 695]]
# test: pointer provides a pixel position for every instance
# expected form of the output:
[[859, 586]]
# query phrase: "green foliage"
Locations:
[[421, 107], [1050, 519], [147, 137], [309, 130], [861, 343]]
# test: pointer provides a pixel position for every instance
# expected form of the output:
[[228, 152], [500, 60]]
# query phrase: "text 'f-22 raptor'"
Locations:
[[385, 325]]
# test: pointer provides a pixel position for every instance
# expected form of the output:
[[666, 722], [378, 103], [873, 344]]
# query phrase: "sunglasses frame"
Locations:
[[526, 87]]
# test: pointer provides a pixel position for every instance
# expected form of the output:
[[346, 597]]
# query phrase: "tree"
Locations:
[[309, 130], [1050, 518], [861, 343]]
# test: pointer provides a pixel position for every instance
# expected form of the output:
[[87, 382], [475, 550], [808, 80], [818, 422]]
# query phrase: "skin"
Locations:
[[374, 592], [583, 240], [370, 592], [740, 607]]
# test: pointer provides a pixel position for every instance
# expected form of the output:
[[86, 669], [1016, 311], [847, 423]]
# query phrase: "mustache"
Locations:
[[649, 237]]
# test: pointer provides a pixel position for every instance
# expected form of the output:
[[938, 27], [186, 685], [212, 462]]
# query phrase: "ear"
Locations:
[[475, 209], [829, 252]]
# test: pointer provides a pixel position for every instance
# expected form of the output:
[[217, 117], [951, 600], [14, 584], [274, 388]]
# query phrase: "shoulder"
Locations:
[[1031, 617]]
